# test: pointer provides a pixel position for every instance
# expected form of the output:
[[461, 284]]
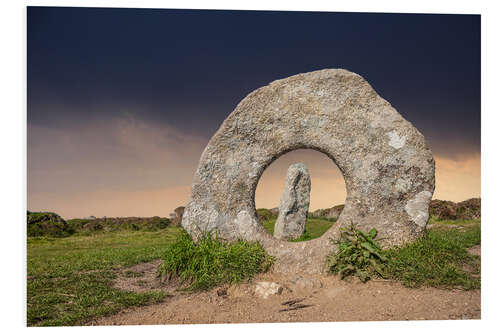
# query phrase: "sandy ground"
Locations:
[[326, 298]]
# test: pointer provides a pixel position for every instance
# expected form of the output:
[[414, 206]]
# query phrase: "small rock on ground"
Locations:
[[265, 289]]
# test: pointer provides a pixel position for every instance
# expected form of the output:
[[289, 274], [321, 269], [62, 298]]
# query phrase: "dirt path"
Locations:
[[328, 298]]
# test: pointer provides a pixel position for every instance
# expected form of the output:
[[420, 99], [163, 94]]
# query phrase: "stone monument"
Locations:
[[387, 167]]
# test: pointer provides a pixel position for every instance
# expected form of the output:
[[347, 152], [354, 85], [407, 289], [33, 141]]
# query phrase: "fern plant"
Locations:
[[358, 253]]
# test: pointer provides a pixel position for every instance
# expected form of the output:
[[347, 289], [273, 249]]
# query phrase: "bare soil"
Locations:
[[475, 250], [312, 298]]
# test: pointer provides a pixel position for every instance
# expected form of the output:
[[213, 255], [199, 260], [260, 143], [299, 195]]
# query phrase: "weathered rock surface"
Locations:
[[294, 203], [387, 167], [265, 289]]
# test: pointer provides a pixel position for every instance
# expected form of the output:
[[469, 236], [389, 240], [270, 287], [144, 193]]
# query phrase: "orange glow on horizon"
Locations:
[[455, 180], [148, 169]]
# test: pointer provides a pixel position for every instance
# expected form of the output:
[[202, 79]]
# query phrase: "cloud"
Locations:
[[124, 166], [115, 157]]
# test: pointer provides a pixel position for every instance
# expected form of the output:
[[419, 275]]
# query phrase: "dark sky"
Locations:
[[123, 101], [204, 62]]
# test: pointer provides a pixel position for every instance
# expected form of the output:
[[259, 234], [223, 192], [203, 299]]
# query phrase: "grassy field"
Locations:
[[314, 228], [70, 279]]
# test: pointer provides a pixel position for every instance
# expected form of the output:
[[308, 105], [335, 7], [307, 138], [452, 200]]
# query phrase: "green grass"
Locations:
[[314, 228], [212, 262], [435, 221], [70, 279], [440, 259]]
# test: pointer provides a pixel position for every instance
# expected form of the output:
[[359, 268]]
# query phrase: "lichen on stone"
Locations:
[[387, 167], [294, 203]]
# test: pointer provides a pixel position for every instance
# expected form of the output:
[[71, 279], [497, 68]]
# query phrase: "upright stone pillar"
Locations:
[[294, 203]]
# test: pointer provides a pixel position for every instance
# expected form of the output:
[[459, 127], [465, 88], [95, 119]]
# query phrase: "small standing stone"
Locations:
[[294, 203]]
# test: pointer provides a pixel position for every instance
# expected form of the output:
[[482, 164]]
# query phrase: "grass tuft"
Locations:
[[439, 259], [212, 262]]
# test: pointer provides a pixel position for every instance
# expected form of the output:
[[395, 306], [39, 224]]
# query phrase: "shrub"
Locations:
[[449, 210], [90, 226], [47, 224], [212, 262], [357, 254]]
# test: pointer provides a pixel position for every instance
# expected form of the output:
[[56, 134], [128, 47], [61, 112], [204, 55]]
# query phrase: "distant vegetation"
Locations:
[[328, 213], [449, 210], [52, 225], [47, 224], [265, 214], [107, 224]]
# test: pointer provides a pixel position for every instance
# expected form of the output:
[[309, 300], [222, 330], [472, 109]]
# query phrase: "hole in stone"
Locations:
[[326, 200]]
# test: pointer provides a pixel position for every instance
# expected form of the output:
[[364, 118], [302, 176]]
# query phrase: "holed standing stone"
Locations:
[[387, 166]]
